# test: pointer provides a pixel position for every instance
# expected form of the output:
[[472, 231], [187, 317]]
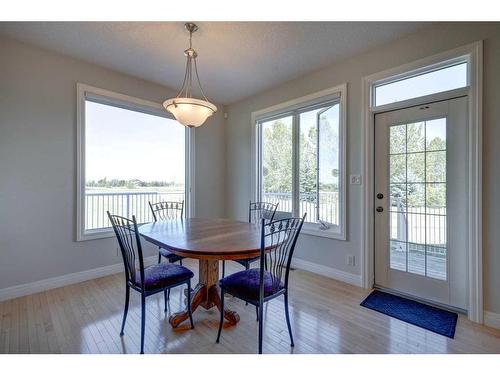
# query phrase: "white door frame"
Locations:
[[473, 53]]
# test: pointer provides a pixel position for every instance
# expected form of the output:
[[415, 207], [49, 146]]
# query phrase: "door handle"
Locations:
[[380, 209]]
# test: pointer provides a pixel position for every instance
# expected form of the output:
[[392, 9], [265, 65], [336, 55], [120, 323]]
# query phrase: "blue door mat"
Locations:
[[428, 317]]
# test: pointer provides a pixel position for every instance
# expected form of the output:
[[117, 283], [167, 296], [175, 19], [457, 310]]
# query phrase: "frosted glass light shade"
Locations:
[[190, 112]]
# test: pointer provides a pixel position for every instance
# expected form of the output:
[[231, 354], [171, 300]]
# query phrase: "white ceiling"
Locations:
[[236, 59]]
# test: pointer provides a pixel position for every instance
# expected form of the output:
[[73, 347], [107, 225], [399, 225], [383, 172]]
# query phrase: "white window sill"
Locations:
[[313, 230], [95, 234]]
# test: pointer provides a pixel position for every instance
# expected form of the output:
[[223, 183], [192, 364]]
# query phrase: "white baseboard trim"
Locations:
[[330, 272], [492, 319], [59, 281]]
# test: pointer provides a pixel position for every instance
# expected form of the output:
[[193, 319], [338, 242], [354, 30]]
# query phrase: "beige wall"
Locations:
[[438, 38], [38, 163]]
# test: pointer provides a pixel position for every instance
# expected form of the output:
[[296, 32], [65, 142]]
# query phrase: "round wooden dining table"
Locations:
[[209, 241]]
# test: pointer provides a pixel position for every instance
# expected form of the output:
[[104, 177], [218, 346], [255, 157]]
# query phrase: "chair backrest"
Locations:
[[261, 210], [167, 210], [130, 245], [278, 241]]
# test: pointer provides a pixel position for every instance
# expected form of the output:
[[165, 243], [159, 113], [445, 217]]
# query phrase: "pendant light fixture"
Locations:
[[189, 111]]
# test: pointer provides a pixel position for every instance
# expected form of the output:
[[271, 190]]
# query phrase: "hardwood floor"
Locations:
[[325, 314]]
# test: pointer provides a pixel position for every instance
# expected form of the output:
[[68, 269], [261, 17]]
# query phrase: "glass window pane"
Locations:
[[415, 196], [436, 198], [398, 168], [416, 258], [398, 255], [435, 134], [436, 230], [329, 147], [277, 162], [398, 197], [416, 167], [436, 262], [125, 151], [416, 243], [398, 226], [307, 161], [444, 79], [436, 166], [415, 134], [319, 202], [397, 139]]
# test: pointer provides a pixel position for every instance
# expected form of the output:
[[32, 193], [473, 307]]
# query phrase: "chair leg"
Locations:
[[221, 314], [180, 261], [159, 258], [168, 295], [125, 311], [257, 312], [247, 266], [143, 321], [166, 292], [223, 268], [288, 319], [189, 304], [261, 318]]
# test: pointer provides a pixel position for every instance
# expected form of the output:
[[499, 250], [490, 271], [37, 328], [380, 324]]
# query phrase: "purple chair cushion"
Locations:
[[246, 284], [162, 275]]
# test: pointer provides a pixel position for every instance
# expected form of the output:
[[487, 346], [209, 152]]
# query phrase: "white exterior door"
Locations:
[[421, 200]]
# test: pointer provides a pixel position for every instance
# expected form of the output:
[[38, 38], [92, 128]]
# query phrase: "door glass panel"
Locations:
[[435, 164], [277, 162], [435, 134], [418, 198], [398, 168], [397, 139], [416, 137], [416, 167], [398, 255], [416, 243], [398, 198]]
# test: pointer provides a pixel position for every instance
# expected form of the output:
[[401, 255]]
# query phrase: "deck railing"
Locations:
[[328, 209], [124, 204]]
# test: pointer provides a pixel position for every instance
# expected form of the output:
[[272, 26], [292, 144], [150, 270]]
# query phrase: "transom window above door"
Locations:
[[432, 80], [300, 161]]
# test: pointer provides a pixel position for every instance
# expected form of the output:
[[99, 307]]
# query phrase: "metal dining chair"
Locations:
[[259, 285], [146, 280], [167, 211], [256, 212]]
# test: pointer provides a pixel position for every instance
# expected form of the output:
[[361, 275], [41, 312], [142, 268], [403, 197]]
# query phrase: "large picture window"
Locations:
[[131, 154], [300, 161]]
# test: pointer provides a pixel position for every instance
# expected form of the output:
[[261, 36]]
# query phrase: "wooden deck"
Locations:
[[325, 314]]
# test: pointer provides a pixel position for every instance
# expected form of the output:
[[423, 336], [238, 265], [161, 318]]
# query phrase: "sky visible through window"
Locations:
[[125, 145], [445, 79]]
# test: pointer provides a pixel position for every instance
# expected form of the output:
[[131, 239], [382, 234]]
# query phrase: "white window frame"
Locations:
[[84, 92], [473, 55], [338, 93]]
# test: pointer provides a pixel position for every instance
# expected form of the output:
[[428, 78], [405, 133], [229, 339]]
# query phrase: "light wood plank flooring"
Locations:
[[325, 314]]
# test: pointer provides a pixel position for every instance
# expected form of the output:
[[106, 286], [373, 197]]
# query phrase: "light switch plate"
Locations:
[[355, 179]]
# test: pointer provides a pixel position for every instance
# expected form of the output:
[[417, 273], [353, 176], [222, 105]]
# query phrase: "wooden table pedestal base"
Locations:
[[206, 294]]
